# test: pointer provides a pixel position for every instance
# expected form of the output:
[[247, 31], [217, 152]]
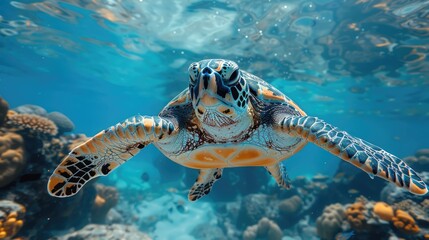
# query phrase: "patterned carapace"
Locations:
[[225, 118]]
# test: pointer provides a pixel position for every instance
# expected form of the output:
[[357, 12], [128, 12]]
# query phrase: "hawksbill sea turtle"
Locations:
[[226, 117]]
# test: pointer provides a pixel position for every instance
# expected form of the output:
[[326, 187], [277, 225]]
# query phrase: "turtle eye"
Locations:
[[234, 77]]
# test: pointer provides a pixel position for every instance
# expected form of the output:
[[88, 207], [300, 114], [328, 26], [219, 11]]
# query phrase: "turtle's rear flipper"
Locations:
[[105, 151], [279, 173], [204, 183], [358, 152]]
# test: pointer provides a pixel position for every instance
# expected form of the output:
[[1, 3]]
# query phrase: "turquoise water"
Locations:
[[360, 65]]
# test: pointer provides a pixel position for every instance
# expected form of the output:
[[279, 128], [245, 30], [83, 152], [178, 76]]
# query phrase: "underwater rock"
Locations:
[[419, 161], [265, 229], [63, 123], [31, 109], [31, 124], [106, 198], [392, 194], [329, 223], [347, 183], [12, 157], [105, 232], [4, 107], [11, 218]]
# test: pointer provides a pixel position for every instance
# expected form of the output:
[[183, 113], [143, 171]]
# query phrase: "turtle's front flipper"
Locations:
[[105, 151], [279, 173], [204, 183], [358, 152]]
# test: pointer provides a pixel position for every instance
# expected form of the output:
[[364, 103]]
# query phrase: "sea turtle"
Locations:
[[226, 117]]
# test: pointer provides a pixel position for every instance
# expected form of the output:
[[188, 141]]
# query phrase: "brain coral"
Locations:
[[265, 229], [11, 218], [12, 159], [63, 123], [32, 124], [290, 206], [329, 223], [4, 107]]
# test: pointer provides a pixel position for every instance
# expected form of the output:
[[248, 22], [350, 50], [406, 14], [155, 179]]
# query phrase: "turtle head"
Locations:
[[219, 93]]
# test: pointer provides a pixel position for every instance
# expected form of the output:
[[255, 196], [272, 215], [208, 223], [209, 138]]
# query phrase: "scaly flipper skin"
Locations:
[[105, 151], [279, 173], [358, 152], [204, 183]]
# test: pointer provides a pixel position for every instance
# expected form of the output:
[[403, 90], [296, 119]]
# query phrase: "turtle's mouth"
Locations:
[[216, 119]]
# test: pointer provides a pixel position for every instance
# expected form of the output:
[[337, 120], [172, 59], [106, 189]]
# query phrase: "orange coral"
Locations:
[[404, 222], [355, 215], [107, 197], [31, 123], [12, 157], [11, 218], [4, 107], [383, 210]]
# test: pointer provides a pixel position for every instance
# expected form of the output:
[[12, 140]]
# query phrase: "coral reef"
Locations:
[[11, 218], [31, 124], [355, 215], [329, 223], [106, 198], [63, 123], [383, 210], [417, 211], [4, 107], [105, 232], [265, 229], [12, 157], [253, 208], [404, 222]]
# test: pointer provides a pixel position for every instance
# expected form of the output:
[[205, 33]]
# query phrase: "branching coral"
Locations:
[[329, 223], [404, 222], [383, 210], [290, 206], [11, 218], [107, 197], [12, 157], [4, 107], [265, 229], [31, 124]]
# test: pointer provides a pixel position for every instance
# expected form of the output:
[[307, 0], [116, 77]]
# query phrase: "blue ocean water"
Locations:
[[360, 65]]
